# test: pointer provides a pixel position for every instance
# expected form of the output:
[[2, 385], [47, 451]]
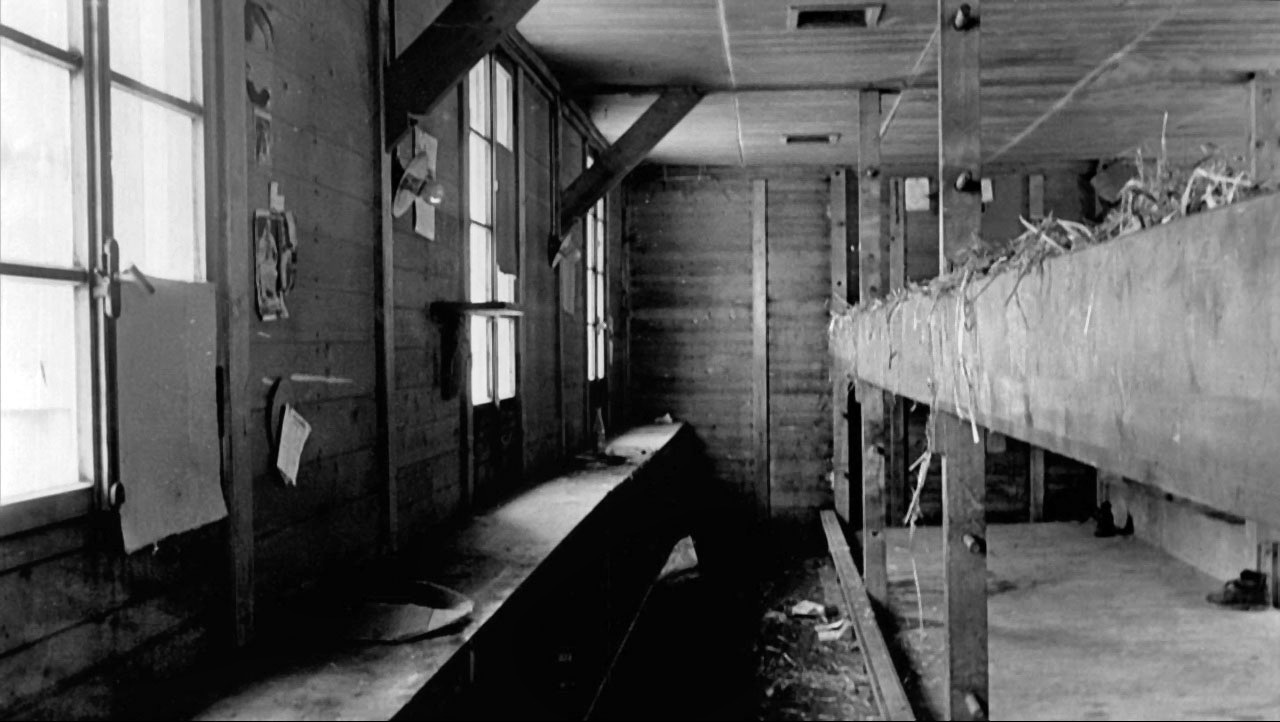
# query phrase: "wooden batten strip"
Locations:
[[760, 342], [890, 697]]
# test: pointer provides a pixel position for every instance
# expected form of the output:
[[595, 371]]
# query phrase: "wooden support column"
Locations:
[[464, 32], [1264, 128], [230, 258], [383, 44], [760, 343], [614, 164], [842, 293], [964, 459], [897, 485], [872, 263], [1035, 470], [959, 137], [964, 531], [1035, 485]]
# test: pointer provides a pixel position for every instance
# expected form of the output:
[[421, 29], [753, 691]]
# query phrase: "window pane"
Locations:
[[600, 295], [503, 102], [481, 265], [42, 388], [590, 242], [153, 171], [591, 353], [480, 189], [480, 362], [151, 43], [506, 358], [602, 348], [47, 20], [37, 198], [478, 97]]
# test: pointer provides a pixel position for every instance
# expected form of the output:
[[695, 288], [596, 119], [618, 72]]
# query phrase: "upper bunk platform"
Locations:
[[1155, 356]]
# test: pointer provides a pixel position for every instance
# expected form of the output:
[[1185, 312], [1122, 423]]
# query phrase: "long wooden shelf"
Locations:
[[1156, 356]]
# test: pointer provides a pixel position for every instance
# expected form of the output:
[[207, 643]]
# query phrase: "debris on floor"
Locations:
[[809, 665]]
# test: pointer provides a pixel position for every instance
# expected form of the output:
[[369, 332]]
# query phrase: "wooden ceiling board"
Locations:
[[629, 42], [1193, 59]]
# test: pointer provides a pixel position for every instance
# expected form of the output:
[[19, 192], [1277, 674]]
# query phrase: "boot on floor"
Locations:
[[1246, 592]]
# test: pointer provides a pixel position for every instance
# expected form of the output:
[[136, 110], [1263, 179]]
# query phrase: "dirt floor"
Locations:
[[799, 677], [704, 651]]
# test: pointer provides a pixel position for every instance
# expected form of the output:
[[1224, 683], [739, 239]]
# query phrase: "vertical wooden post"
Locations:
[[1035, 470], [871, 278], [1264, 128], [1035, 484], [230, 152], [959, 126], [896, 482], [385, 320], [964, 531], [760, 342], [840, 293], [964, 462]]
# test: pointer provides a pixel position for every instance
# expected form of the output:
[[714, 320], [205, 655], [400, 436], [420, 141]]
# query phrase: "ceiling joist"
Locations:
[[462, 34], [624, 155]]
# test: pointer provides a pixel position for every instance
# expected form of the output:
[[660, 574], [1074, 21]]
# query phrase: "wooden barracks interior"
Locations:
[[619, 359]]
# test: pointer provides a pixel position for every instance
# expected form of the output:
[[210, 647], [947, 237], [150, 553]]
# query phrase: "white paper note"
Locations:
[[294, 431]]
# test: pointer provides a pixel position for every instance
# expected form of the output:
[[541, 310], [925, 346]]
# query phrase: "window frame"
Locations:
[[495, 278], [597, 271], [87, 58]]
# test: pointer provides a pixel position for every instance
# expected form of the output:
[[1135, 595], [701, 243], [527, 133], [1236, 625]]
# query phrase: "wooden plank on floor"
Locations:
[[890, 696], [873, 283], [760, 342]]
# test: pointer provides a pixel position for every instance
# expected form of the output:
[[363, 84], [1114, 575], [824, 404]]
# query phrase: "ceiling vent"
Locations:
[[834, 16], [811, 139]]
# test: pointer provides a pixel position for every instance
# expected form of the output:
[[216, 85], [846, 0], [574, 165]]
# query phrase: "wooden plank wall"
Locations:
[[689, 256], [573, 319], [689, 253], [86, 632], [325, 158], [799, 362], [427, 428], [690, 274]]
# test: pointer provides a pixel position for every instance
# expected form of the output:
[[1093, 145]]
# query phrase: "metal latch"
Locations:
[[107, 279]]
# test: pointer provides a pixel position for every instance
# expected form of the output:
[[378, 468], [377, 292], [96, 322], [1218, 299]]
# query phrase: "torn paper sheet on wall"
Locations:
[[294, 431], [266, 274], [275, 261]]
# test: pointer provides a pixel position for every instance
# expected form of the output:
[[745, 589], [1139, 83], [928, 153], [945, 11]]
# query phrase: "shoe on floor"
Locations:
[[1106, 522], [1247, 592]]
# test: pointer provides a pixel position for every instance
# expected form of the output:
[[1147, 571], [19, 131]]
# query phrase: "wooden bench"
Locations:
[[557, 574]]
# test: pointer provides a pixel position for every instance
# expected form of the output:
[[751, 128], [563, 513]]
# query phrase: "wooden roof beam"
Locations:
[[608, 171], [462, 34]]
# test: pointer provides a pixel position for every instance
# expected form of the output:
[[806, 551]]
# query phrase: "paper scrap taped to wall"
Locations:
[[275, 243], [294, 431]]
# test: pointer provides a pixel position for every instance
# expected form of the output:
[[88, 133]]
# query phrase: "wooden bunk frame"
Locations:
[[1153, 357]]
